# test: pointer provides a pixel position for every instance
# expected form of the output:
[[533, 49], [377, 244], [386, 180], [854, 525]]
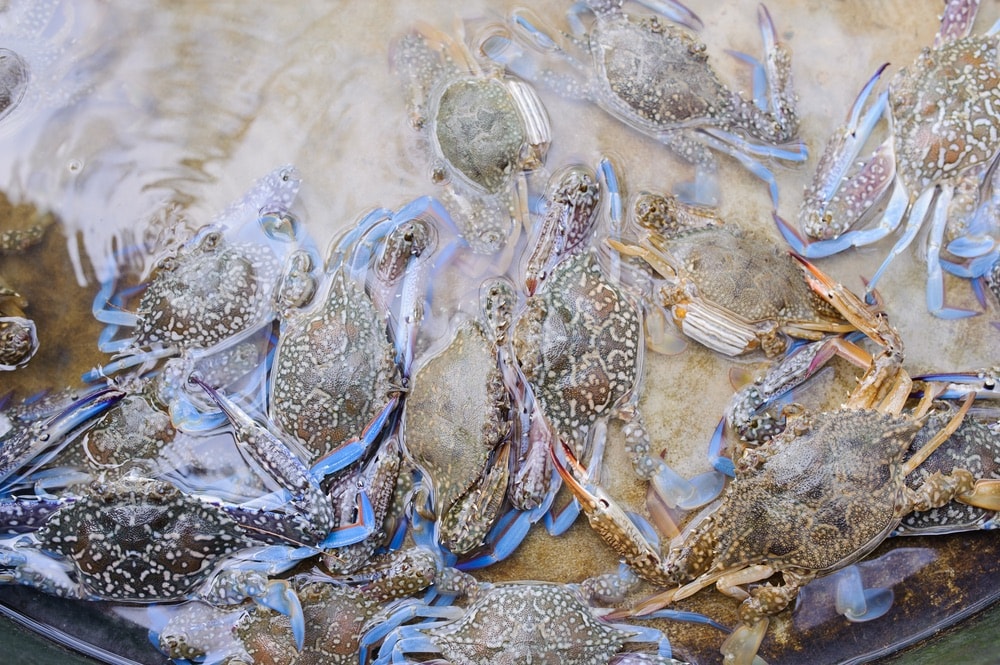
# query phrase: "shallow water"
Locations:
[[151, 118]]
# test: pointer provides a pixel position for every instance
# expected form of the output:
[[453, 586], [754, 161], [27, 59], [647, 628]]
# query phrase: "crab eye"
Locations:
[[211, 240]]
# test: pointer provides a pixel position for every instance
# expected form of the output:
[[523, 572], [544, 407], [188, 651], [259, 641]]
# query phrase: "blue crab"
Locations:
[[795, 492], [23, 226], [522, 622], [33, 433], [134, 538], [335, 369], [654, 76], [339, 614], [216, 289], [38, 70], [484, 128], [457, 425], [725, 289], [943, 119]]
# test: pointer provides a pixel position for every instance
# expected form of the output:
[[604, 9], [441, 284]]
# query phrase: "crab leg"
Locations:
[[315, 512], [612, 523], [874, 324]]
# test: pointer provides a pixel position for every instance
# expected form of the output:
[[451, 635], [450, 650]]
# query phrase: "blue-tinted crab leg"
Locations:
[[102, 372], [41, 441], [721, 464], [615, 211], [117, 316], [350, 534], [281, 597], [977, 267], [678, 492], [675, 11], [353, 450], [759, 77], [917, 214], [984, 385], [398, 614], [409, 639], [857, 603], [680, 615], [935, 280], [748, 162], [278, 462]]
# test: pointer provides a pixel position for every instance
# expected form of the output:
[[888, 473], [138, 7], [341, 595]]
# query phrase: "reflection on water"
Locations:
[[139, 123]]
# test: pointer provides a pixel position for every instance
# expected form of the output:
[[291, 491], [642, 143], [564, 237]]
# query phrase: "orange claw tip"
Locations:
[[530, 284]]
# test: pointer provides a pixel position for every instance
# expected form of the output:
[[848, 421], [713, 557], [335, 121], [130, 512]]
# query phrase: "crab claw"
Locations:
[[861, 315], [281, 597], [611, 522], [985, 494], [741, 646]]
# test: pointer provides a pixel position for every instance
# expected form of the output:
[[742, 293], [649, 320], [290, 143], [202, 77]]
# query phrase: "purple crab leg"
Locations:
[[26, 515]]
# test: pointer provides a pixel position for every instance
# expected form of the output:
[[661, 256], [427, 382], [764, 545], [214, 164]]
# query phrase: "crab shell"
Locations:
[[816, 498], [579, 342]]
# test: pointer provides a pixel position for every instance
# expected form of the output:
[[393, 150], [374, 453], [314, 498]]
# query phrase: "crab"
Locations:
[[335, 370], [654, 76], [943, 119], [42, 68], [23, 226], [974, 446], [818, 497], [484, 128], [13, 81], [578, 341], [215, 290], [727, 290], [456, 423], [338, 617], [522, 622], [134, 538]]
